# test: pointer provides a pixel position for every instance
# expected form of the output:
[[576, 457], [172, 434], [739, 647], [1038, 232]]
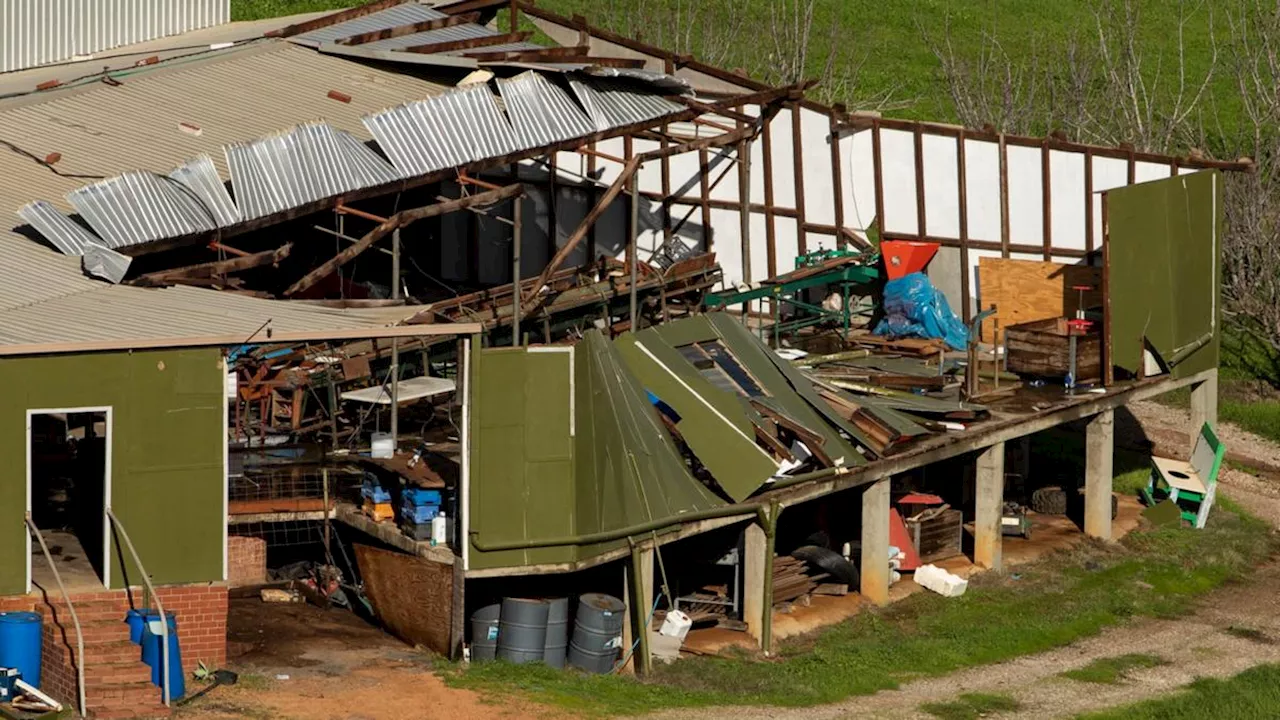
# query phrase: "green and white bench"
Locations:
[[1192, 485]]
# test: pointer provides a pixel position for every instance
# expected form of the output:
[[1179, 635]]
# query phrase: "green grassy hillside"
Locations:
[[881, 48]]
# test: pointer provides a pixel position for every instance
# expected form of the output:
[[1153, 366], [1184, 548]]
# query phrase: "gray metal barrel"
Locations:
[[522, 633], [597, 633], [557, 632], [484, 633]]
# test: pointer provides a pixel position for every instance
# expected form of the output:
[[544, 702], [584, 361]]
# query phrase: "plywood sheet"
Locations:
[[412, 596], [1027, 290]]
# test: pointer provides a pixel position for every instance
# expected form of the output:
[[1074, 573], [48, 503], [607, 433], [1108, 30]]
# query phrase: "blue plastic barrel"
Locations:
[[134, 620], [20, 644], [152, 656]]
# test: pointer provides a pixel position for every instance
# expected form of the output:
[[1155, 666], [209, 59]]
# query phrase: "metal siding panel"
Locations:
[[38, 32]]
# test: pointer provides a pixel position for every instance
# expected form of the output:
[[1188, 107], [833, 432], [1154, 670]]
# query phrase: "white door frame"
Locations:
[[106, 483]]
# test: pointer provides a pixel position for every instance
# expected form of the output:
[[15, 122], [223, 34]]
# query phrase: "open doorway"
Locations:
[[68, 482]]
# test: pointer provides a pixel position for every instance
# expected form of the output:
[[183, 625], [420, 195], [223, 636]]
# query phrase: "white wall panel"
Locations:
[[941, 186]]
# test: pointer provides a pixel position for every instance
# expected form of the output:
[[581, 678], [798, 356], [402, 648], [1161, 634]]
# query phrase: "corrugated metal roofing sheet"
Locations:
[[444, 131], [308, 163], [116, 312], [403, 14], [613, 103], [140, 206], [201, 178], [102, 130], [66, 234], [540, 111]]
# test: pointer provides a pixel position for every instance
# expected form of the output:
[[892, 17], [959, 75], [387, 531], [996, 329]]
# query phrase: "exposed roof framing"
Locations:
[[410, 29], [468, 43]]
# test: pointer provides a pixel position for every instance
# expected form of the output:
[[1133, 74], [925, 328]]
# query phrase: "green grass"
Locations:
[[259, 9], [971, 706], [1057, 601], [1252, 695], [1112, 671]]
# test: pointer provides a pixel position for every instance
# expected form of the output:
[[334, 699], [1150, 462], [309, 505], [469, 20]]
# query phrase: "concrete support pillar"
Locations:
[[754, 603], [988, 507], [1099, 449], [638, 591], [875, 542], [1204, 405]]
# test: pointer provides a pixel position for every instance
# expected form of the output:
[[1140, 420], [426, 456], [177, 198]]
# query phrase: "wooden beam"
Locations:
[[617, 187], [410, 29], [218, 267], [399, 220], [531, 55], [335, 18], [469, 43]]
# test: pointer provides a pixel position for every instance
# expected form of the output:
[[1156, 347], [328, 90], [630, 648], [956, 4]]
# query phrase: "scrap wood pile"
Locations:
[[793, 579], [892, 399]]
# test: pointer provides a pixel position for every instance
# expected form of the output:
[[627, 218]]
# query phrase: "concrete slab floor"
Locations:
[[78, 573], [1048, 534]]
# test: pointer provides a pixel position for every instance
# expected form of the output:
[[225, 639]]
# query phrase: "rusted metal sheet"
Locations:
[[412, 596]]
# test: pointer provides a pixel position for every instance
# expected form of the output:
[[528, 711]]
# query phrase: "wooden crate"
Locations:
[[1043, 349], [939, 537]]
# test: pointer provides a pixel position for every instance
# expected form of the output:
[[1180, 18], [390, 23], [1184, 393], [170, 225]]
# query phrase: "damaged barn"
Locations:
[[429, 319]]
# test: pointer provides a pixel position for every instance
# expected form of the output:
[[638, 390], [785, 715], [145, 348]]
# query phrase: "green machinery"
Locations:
[[841, 270]]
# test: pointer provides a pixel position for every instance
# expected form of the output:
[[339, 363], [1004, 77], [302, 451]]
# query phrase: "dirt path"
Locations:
[[1200, 645]]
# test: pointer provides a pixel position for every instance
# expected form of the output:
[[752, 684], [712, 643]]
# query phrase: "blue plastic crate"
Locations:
[[376, 494], [419, 513], [421, 496]]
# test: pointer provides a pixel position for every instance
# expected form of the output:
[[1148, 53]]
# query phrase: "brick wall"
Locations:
[[246, 560], [116, 681]]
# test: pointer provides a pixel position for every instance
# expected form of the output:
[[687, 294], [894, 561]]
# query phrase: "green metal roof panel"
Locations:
[[564, 442], [629, 469], [788, 387], [713, 423]]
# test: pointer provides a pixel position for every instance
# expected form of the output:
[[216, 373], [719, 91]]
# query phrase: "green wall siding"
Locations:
[[1165, 269], [167, 441]]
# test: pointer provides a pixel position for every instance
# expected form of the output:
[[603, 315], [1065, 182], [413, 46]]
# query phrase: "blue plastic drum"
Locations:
[[20, 644], [152, 656]]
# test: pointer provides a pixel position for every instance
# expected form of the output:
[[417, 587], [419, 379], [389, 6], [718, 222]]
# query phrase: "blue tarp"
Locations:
[[913, 307]]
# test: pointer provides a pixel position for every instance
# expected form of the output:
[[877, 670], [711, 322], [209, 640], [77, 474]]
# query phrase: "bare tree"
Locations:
[[1099, 86]]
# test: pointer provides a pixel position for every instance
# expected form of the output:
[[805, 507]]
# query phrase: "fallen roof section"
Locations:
[[120, 317]]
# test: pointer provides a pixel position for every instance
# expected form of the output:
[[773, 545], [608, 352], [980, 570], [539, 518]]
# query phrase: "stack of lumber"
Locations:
[[708, 605], [792, 579]]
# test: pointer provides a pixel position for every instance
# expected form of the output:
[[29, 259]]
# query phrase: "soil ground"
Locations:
[[297, 661]]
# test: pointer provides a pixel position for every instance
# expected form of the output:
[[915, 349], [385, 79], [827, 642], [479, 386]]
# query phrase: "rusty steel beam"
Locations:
[[468, 43], [395, 222], [342, 209], [410, 29]]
